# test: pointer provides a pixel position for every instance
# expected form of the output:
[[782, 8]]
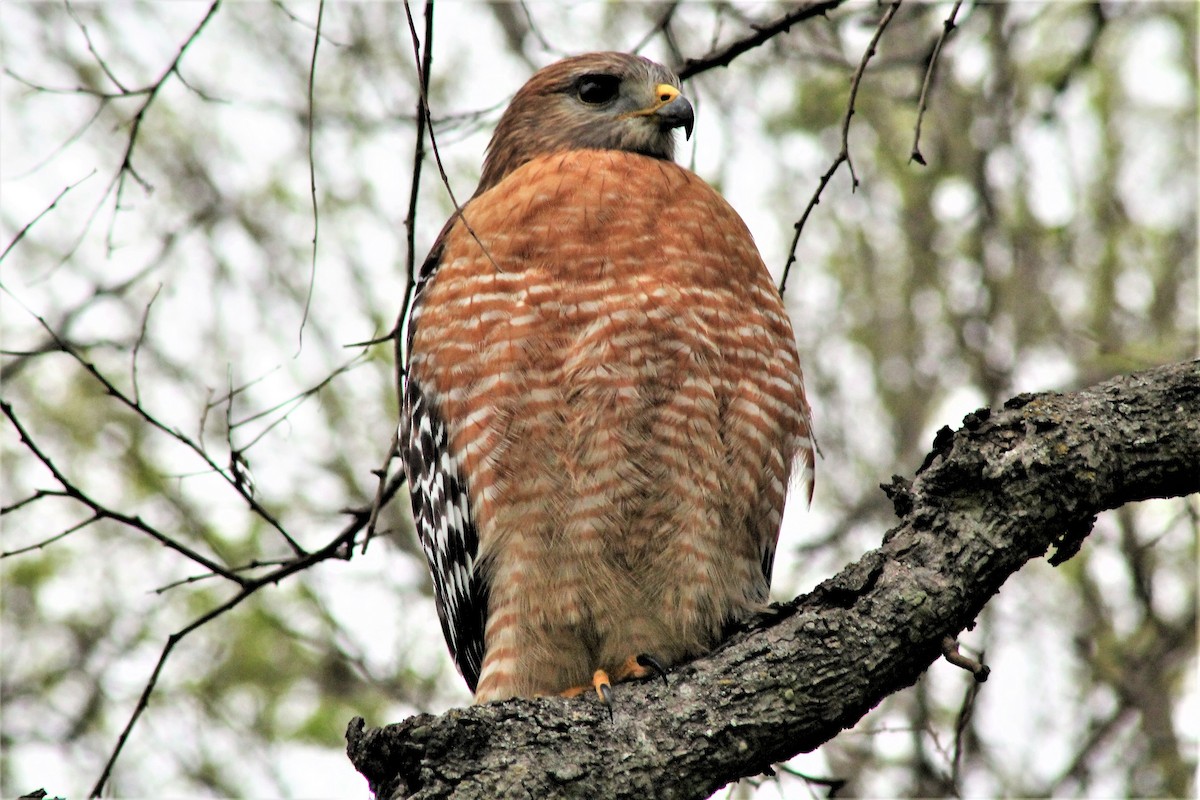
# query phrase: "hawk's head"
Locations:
[[604, 101]]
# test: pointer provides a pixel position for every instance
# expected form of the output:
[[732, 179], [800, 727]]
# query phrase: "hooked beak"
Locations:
[[672, 109]]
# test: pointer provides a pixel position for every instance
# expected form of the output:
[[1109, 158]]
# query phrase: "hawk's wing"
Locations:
[[441, 504]]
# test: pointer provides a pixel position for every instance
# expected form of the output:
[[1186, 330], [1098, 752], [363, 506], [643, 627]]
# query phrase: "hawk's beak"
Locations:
[[672, 109]]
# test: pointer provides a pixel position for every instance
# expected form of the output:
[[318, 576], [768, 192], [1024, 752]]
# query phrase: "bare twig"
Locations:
[[87, 37], [251, 565], [239, 466], [537, 33], [151, 93], [1087, 52], [102, 511], [95, 517], [947, 27], [843, 155], [954, 656], [834, 784], [381, 489], [312, 174], [664, 20], [53, 204], [33, 498], [339, 547], [294, 401], [762, 33], [178, 435], [961, 723], [433, 145], [137, 347], [424, 62]]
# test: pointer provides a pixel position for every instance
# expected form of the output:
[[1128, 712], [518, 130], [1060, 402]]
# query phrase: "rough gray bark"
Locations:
[[1005, 488]]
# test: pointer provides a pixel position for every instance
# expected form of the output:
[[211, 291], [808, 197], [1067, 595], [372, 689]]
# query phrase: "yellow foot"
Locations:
[[639, 666]]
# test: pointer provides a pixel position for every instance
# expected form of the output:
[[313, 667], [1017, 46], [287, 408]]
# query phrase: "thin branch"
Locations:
[[126, 167], [961, 732], [294, 402], [433, 145], [762, 34], [312, 174], [843, 155], [239, 466], [424, 60], [33, 498], [95, 517], [381, 489], [137, 347], [423, 83], [834, 784], [295, 399], [251, 565], [92, 49], [74, 136], [664, 21], [1085, 54], [306, 24], [105, 512], [53, 205], [340, 546], [947, 28], [537, 33], [178, 435], [41, 87]]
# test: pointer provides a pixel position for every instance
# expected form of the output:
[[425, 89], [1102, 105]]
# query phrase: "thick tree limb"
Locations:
[[1005, 488]]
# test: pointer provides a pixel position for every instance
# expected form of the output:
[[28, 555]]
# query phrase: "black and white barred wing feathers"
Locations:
[[442, 509]]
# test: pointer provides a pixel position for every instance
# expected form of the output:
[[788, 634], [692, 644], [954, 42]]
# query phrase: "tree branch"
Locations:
[[762, 34], [843, 156], [1005, 488]]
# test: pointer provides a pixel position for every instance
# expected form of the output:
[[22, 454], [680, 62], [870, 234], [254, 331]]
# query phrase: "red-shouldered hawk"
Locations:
[[603, 404]]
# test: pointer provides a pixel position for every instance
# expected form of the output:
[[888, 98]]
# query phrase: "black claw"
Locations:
[[605, 691], [650, 662]]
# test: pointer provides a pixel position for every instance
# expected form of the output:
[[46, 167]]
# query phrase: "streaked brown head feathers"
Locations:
[[602, 101]]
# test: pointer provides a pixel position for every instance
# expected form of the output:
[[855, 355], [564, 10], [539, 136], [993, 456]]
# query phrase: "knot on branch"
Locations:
[[899, 491]]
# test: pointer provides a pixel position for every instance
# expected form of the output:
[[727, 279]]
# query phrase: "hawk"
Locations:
[[603, 405]]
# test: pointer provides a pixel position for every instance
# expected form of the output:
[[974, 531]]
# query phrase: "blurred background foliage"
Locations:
[[1050, 242]]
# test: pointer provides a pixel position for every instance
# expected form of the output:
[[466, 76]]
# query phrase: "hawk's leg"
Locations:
[[639, 666]]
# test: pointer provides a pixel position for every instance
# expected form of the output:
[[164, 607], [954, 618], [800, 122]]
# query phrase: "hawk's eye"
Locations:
[[597, 89]]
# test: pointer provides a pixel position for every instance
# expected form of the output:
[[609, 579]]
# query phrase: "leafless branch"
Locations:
[[126, 169], [258, 563], [112, 390], [95, 517], [341, 546], [762, 33], [102, 511], [87, 37], [660, 26], [433, 145], [947, 28], [312, 173], [843, 155], [424, 61], [137, 346], [53, 205]]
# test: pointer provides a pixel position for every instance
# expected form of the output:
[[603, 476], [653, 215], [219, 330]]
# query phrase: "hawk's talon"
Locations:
[[650, 662], [604, 690]]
